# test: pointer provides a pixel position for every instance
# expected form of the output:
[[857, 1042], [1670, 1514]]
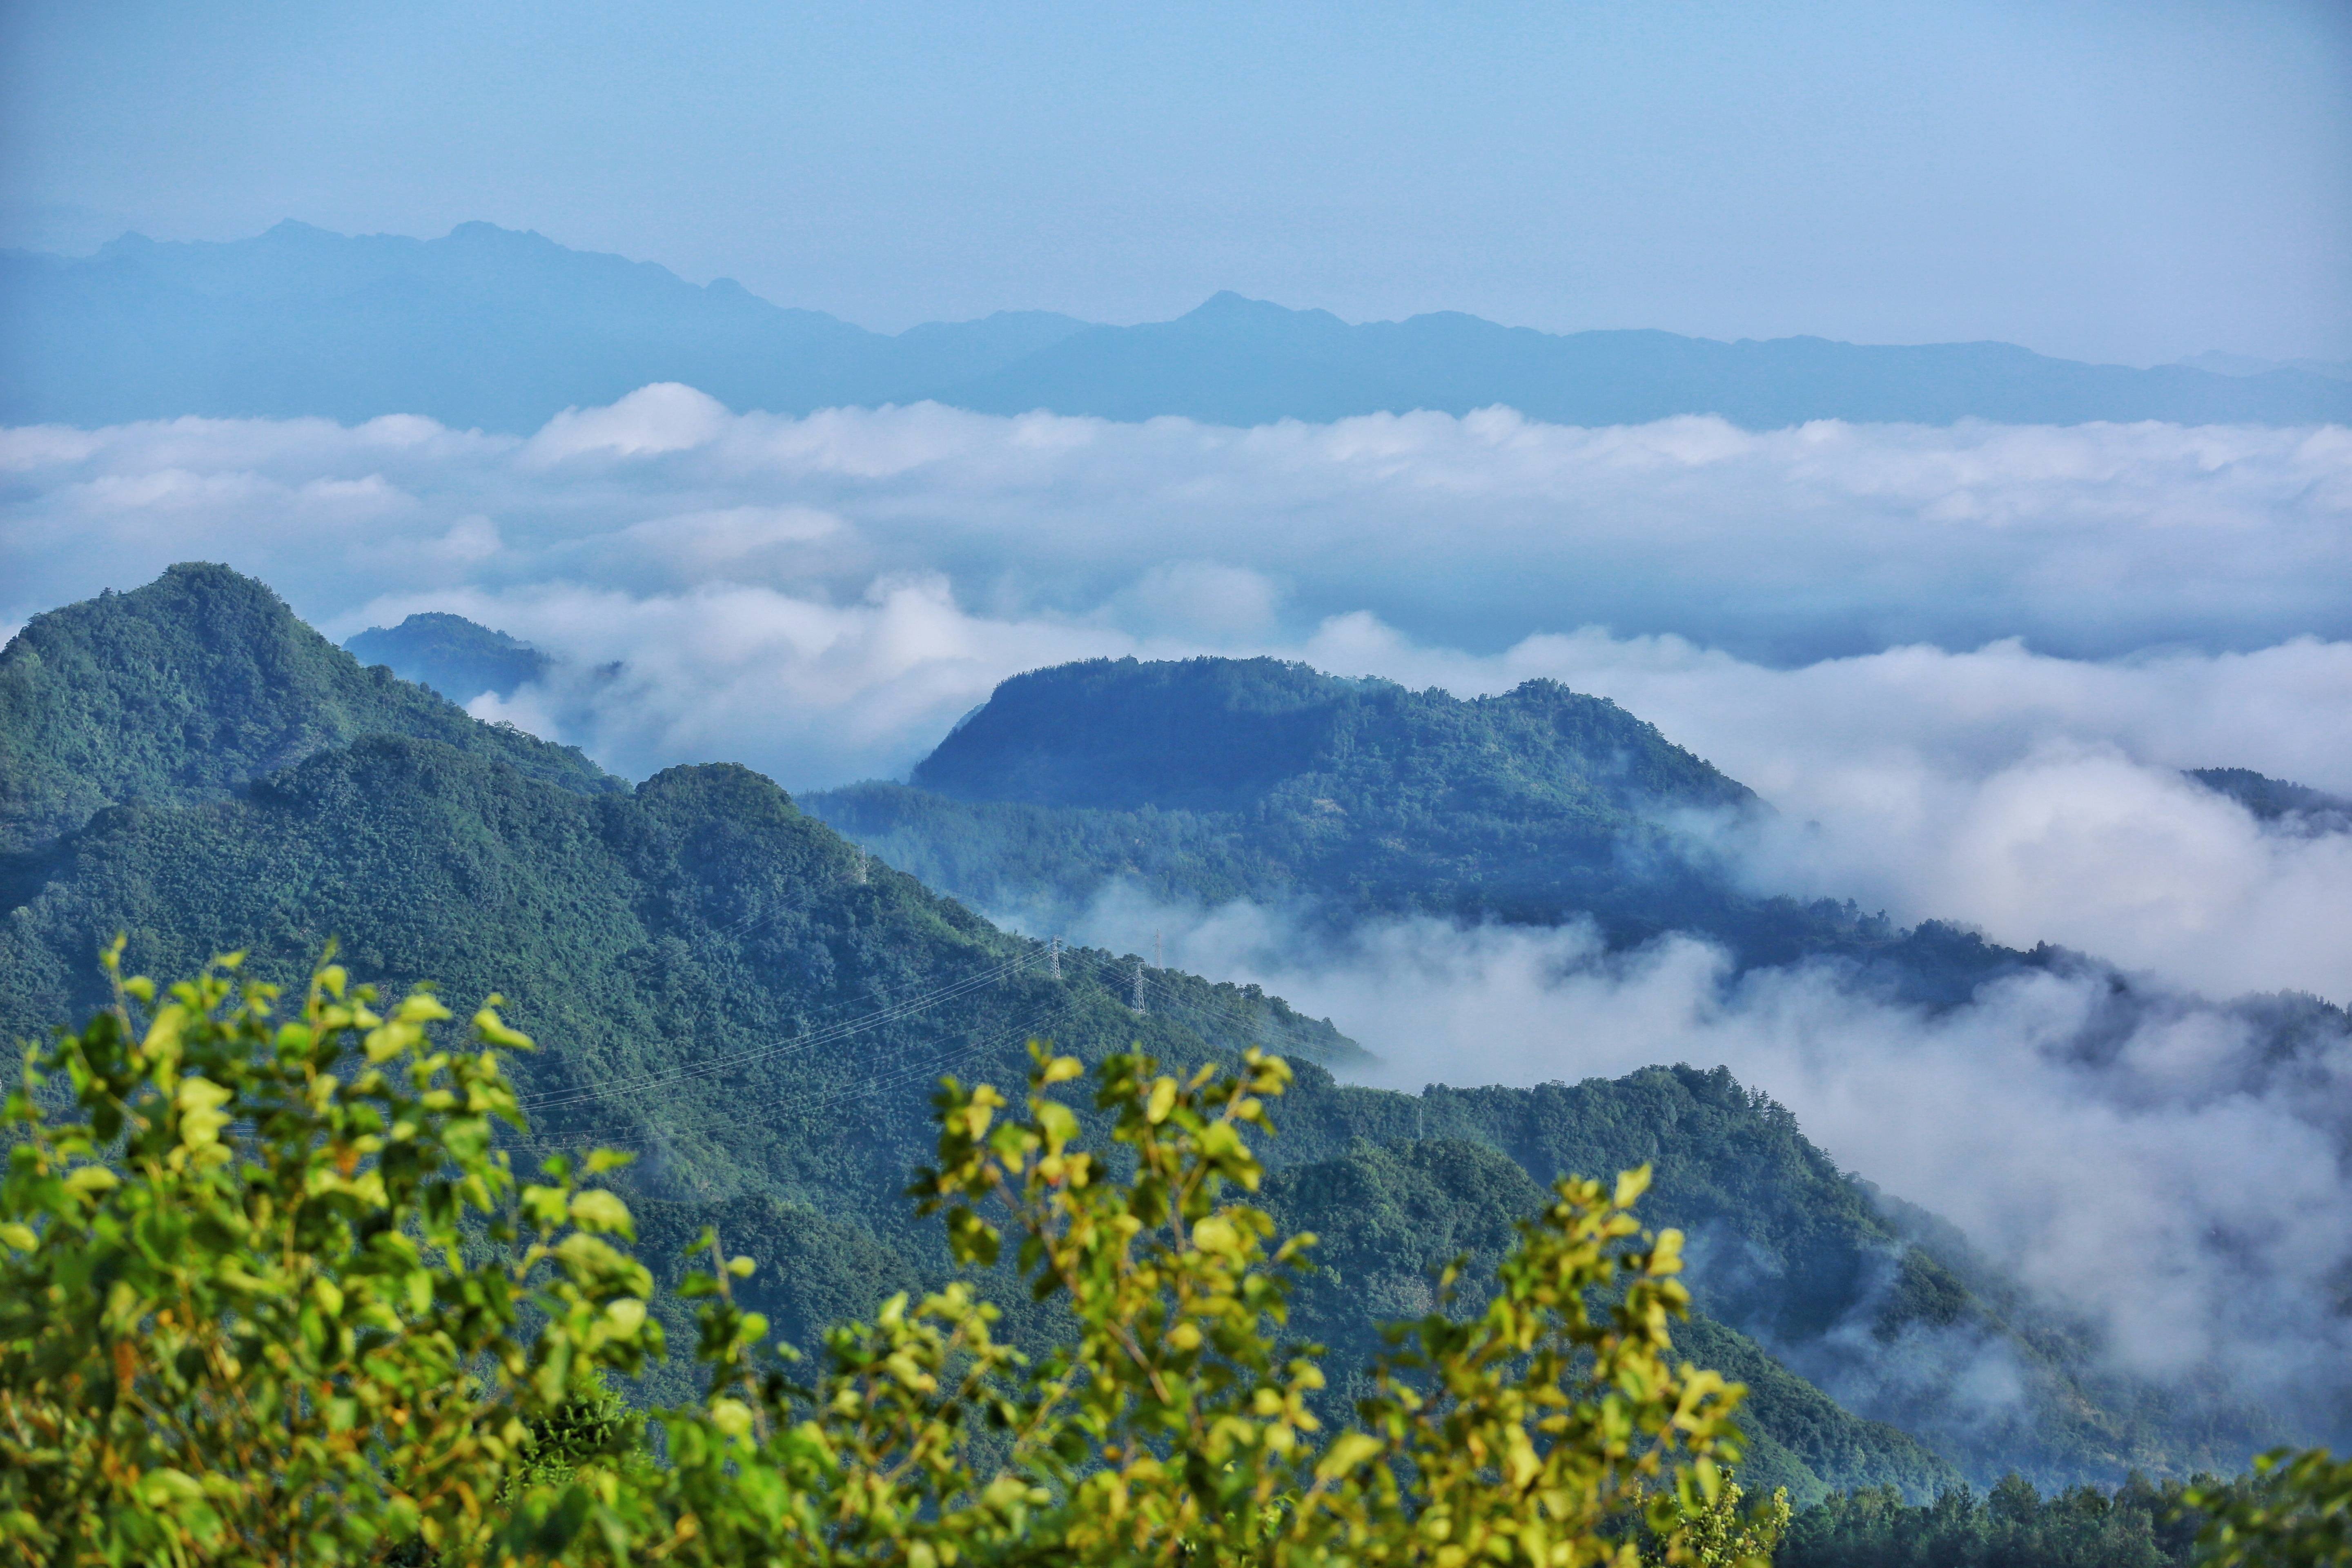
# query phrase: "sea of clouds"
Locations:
[[1965, 665]]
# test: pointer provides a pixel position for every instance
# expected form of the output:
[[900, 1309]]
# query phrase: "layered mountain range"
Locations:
[[757, 1005], [493, 329]]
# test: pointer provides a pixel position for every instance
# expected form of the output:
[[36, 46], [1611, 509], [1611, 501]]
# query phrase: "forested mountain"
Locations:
[[1216, 779], [190, 686], [489, 328], [2297, 808], [453, 655], [723, 984]]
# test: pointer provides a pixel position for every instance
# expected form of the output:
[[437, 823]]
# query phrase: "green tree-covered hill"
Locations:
[[1210, 779], [1391, 1217], [457, 657], [180, 690], [727, 986], [1218, 735]]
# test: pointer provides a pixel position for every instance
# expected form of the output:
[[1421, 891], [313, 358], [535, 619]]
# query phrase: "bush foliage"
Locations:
[[272, 1294]]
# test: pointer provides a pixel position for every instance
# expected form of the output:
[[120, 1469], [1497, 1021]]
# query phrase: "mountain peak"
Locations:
[[1226, 308], [459, 659], [1220, 734], [184, 690], [478, 234], [1225, 302]]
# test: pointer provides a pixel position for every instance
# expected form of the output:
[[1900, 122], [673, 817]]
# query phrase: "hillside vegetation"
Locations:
[[338, 1330], [180, 692], [770, 1007], [1210, 779]]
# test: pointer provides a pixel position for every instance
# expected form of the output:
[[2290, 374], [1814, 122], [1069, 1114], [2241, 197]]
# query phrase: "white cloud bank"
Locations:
[[821, 597], [1965, 664], [1470, 531]]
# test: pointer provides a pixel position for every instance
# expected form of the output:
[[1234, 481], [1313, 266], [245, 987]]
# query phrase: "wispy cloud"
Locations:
[[2040, 798], [2167, 1170]]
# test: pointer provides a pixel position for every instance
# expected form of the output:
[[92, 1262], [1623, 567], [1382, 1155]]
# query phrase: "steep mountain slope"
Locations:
[[724, 984], [178, 692], [1214, 779], [490, 328], [1391, 1217]]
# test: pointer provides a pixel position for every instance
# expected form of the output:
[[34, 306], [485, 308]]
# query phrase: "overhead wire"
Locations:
[[1125, 970]]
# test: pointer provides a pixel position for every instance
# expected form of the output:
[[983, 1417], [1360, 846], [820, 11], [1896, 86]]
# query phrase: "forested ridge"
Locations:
[[1208, 780], [725, 985], [189, 686]]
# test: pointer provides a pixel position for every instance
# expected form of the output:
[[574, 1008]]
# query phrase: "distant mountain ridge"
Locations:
[[453, 655], [486, 327], [1244, 361], [1207, 780]]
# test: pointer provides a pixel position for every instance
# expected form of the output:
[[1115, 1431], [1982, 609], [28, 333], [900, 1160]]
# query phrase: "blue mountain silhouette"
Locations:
[[486, 327]]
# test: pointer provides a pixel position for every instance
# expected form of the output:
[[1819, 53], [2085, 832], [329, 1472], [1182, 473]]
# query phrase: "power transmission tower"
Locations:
[[1054, 957], [1138, 1003], [862, 859]]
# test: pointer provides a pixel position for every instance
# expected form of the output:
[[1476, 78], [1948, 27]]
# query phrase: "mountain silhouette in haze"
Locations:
[[489, 328], [484, 327], [452, 654], [1245, 361]]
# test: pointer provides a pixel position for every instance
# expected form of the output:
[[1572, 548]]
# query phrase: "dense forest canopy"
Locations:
[[771, 1003], [196, 683]]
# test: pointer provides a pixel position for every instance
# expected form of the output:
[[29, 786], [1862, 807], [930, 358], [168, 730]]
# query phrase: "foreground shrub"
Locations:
[[238, 1321], [267, 1279], [2293, 1512]]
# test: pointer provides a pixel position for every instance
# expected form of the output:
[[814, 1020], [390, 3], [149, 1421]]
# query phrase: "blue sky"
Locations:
[[2131, 181]]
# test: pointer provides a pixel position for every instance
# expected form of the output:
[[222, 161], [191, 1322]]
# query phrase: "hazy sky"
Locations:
[[2128, 181]]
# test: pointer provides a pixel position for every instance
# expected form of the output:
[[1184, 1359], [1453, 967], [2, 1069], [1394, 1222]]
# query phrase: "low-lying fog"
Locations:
[[1965, 665]]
